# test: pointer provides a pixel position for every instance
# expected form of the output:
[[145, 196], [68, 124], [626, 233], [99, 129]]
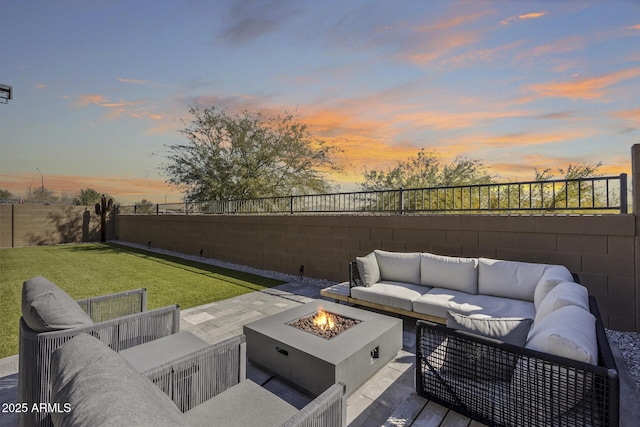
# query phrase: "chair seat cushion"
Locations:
[[391, 294], [46, 307], [103, 389], [163, 350], [245, 404], [438, 301]]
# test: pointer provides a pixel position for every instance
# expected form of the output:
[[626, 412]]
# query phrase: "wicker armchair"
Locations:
[[207, 386], [505, 385], [195, 379], [120, 320]]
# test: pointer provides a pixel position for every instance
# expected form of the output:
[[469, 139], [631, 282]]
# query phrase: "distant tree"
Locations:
[[247, 155], [88, 197], [41, 195], [5, 195], [426, 170], [572, 194], [145, 207]]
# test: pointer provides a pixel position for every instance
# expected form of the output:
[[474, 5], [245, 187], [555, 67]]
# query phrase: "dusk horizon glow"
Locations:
[[101, 88]]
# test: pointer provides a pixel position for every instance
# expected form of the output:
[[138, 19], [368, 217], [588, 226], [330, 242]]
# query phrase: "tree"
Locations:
[[571, 194], [88, 197], [145, 207], [5, 195], [41, 195], [426, 170], [247, 155]]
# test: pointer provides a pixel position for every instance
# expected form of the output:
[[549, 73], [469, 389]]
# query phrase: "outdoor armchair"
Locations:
[[50, 318], [208, 387]]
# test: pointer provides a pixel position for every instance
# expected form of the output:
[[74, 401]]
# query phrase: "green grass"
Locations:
[[87, 270]]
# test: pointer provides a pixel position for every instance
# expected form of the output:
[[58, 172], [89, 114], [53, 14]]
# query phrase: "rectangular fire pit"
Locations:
[[286, 345]]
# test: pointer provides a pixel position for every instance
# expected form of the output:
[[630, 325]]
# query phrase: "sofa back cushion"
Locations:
[[368, 269], [509, 279], [46, 307], [458, 274], [399, 266], [569, 332], [563, 294], [552, 276], [102, 388]]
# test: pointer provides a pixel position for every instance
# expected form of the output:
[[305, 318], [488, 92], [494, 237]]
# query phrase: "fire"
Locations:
[[323, 320]]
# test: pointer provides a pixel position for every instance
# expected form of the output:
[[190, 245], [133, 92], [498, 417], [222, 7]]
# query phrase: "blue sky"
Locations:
[[100, 87]]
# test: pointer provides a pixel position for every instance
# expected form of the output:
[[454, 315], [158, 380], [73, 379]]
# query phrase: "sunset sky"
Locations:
[[102, 86]]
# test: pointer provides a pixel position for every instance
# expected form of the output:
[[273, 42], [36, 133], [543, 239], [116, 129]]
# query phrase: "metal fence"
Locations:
[[598, 194]]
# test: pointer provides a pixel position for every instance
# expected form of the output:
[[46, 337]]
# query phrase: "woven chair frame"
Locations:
[[195, 378], [122, 322], [500, 384]]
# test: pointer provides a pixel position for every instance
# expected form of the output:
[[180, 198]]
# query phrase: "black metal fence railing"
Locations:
[[598, 194]]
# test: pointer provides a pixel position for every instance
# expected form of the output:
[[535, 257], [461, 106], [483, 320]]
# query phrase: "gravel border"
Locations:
[[627, 342]]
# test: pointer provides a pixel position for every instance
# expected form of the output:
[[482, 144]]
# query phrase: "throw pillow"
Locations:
[[509, 329], [46, 307], [368, 269], [101, 388], [479, 361], [563, 294]]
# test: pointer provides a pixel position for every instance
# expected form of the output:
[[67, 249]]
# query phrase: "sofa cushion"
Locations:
[[438, 301], [460, 274], [512, 330], [565, 293], [244, 405], [509, 279], [46, 307], [392, 294], [483, 362], [552, 276], [102, 388], [399, 266], [568, 332], [368, 269]]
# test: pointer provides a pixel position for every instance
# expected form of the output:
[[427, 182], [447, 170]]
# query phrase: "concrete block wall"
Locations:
[[30, 225], [601, 249]]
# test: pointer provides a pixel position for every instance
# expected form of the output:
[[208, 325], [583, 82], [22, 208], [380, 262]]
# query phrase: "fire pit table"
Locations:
[[349, 345]]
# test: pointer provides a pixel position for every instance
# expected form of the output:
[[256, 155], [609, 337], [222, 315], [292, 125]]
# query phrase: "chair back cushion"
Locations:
[[46, 307], [99, 387], [368, 269], [509, 279]]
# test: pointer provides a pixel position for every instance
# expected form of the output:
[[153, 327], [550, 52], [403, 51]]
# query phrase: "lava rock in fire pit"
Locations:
[[324, 324]]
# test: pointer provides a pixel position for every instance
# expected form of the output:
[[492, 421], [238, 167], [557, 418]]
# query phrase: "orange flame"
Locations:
[[323, 320]]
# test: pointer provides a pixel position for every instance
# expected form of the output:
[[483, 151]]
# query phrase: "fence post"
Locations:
[[135, 209], [291, 204], [401, 200], [623, 193], [186, 208], [157, 208]]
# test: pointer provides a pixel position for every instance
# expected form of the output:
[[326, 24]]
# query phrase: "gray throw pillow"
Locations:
[[368, 269], [481, 362], [94, 386], [46, 307]]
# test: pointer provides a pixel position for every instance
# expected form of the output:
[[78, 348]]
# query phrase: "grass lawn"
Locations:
[[93, 269]]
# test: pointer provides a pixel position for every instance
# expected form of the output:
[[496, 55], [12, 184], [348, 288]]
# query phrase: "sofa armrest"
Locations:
[[112, 306], [499, 383], [203, 374], [330, 408], [354, 275]]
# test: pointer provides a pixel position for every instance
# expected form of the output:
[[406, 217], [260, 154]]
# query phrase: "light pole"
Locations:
[[41, 179]]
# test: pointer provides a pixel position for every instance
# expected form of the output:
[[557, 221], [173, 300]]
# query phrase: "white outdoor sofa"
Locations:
[[504, 342]]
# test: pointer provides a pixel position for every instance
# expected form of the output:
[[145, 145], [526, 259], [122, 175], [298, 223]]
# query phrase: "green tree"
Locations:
[[145, 207], [5, 195], [426, 170], [88, 197], [41, 195], [571, 194], [247, 155]]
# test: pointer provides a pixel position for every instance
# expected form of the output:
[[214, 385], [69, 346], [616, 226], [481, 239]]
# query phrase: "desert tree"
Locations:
[[247, 155]]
